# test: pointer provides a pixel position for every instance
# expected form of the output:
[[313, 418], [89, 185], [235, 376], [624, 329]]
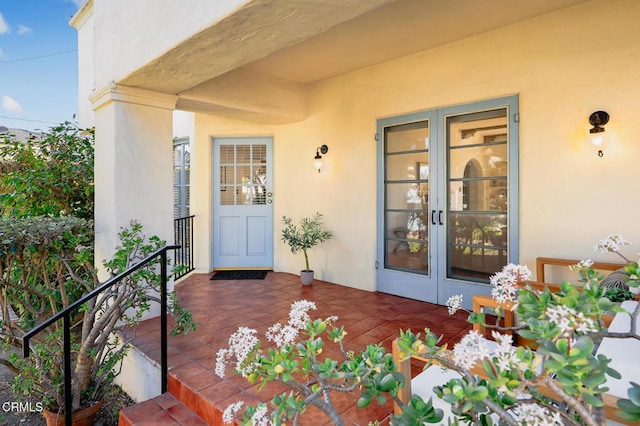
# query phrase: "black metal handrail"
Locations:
[[183, 232], [66, 315]]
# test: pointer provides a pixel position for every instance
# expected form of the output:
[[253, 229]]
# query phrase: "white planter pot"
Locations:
[[306, 277]]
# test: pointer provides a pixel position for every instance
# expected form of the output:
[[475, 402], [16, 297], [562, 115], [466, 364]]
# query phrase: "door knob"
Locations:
[[269, 194], [269, 201]]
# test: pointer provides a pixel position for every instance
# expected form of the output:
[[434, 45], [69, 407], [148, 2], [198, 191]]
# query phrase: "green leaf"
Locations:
[[363, 402], [614, 373], [592, 400], [479, 393], [634, 395], [387, 383], [628, 407], [562, 345], [579, 362]]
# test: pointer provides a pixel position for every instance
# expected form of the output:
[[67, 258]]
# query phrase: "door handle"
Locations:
[[433, 217], [269, 201], [440, 217], [269, 194]]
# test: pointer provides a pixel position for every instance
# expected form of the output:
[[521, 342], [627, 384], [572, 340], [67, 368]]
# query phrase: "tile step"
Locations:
[[164, 409]]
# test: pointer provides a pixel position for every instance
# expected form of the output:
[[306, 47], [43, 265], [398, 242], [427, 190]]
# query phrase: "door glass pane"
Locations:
[[243, 179], [407, 137], [259, 190], [408, 166], [259, 174], [479, 244], [477, 194], [490, 160], [259, 154], [407, 241], [487, 128], [407, 197], [243, 154], [243, 174], [227, 154]]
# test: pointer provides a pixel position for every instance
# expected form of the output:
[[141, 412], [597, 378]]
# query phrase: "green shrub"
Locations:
[[50, 175], [46, 263]]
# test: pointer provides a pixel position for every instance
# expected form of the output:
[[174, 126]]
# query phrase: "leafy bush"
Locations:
[[46, 263], [38, 257], [51, 175]]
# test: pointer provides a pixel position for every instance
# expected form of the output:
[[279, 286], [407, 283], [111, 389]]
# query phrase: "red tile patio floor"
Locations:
[[220, 307]]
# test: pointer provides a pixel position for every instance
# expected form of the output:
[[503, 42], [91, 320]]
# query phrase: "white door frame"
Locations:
[[242, 231]]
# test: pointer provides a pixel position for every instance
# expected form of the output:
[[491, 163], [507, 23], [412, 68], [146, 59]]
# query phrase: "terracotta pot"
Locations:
[[82, 417], [306, 277]]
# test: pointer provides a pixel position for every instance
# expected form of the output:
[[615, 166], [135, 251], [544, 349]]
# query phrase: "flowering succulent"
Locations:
[[498, 382], [296, 362], [469, 349], [505, 282], [533, 414], [454, 303], [612, 243], [514, 384]]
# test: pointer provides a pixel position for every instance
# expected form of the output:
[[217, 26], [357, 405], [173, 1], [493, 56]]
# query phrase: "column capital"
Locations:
[[132, 95]]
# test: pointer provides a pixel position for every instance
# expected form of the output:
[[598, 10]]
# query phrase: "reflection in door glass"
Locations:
[[477, 194], [406, 217], [243, 174]]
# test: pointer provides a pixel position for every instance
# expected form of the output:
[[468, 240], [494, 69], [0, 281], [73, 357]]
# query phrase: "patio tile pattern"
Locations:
[[197, 396]]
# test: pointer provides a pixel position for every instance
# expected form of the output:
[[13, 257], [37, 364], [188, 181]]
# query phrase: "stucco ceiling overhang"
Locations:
[[288, 44], [254, 31]]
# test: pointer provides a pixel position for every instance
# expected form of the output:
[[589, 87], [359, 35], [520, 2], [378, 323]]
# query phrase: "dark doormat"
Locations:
[[239, 275]]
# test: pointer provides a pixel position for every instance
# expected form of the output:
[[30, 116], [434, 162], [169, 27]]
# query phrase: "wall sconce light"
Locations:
[[597, 120], [317, 160]]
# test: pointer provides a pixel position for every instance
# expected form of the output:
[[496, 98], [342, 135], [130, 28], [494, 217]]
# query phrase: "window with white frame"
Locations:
[[181, 178]]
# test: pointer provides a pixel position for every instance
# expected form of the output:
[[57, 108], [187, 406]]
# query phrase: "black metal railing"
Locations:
[[183, 232], [66, 316]]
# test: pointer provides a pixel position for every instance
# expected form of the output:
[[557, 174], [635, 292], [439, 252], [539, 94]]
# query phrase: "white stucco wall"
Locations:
[[155, 26], [183, 124], [83, 21], [563, 65], [134, 163], [140, 376]]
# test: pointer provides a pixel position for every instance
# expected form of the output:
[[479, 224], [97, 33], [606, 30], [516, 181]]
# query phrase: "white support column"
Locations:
[[133, 164]]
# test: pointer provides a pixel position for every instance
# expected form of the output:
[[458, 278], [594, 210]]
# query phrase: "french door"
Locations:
[[242, 203], [447, 210]]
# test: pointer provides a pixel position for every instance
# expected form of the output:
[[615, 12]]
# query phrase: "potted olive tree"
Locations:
[[310, 232]]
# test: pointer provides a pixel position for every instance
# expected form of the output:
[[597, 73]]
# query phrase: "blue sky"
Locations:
[[38, 63]]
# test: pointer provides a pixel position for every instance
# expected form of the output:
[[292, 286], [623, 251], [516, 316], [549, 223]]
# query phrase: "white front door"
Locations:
[[242, 203]]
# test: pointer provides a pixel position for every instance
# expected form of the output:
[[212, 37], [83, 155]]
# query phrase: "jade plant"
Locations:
[[294, 355], [562, 381], [45, 265]]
